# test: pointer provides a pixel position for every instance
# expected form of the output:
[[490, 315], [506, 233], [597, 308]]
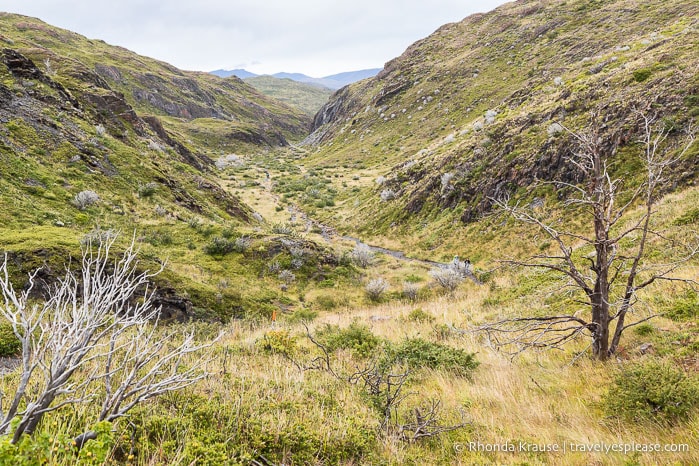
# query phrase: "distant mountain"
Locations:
[[242, 74], [334, 81], [299, 77]]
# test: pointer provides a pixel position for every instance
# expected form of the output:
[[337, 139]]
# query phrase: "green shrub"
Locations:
[[652, 390], [326, 302], [9, 344], [229, 232], [356, 337], [685, 308], [202, 430], [418, 315], [642, 74], [327, 283], [644, 329], [412, 278], [159, 238], [277, 342], [283, 229], [147, 190], [219, 246], [688, 218], [56, 448], [303, 315], [417, 353]]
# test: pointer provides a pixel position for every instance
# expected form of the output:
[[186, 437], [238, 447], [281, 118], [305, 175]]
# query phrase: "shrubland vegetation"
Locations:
[[287, 343]]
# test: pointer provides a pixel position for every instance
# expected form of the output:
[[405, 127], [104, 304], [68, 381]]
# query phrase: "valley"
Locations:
[[423, 272]]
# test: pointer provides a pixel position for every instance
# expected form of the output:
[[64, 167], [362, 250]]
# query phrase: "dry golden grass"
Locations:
[[539, 398]]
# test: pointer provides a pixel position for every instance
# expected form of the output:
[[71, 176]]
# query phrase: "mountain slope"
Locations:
[[478, 102], [96, 140], [187, 101], [242, 74], [307, 97]]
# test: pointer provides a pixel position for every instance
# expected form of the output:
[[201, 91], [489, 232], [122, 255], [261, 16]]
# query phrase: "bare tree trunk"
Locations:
[[600, 332]]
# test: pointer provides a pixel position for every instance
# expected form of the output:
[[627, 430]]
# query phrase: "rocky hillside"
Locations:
[[74, 108], [475, 110], [95, 139], [111, 81]]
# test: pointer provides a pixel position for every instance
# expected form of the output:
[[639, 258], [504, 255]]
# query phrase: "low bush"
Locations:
[[326, 302], [356, 337], [303, 315], [411, 291], [242, 244], [447, 278], [376, 288], [688, 218], [641, 74], [277, 342], [219, 246], [362, 256], [417, 353], [283, 229], [287, 277], [418, 315], [652, 390], [147, 190], [211, 430], [84, 199], [9, 344], [685, 308], [56, 448], [644, 329]]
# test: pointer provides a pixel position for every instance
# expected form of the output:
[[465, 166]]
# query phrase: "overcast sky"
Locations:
[[315, 37]]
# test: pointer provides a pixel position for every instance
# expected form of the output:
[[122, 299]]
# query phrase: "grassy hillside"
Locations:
[[331, 352], [96, 69], [481, 101], [307, 97], [142, 142]]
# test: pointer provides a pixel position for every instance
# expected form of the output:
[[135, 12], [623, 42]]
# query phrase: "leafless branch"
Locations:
[[426, 423], [93, 329]]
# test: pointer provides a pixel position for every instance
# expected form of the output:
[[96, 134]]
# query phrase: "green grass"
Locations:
[[306, 97]]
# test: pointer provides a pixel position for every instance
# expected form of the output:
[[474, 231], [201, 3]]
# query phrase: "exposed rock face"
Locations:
[[334, 108], [172, 306], [173, 108], [109, 72], [199, 161], [112, 109], [22, 67], [45, 262]]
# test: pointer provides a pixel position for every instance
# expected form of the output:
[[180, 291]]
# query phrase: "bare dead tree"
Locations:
[[96, 338], [612, 275], [385, 387], [426, 423]]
